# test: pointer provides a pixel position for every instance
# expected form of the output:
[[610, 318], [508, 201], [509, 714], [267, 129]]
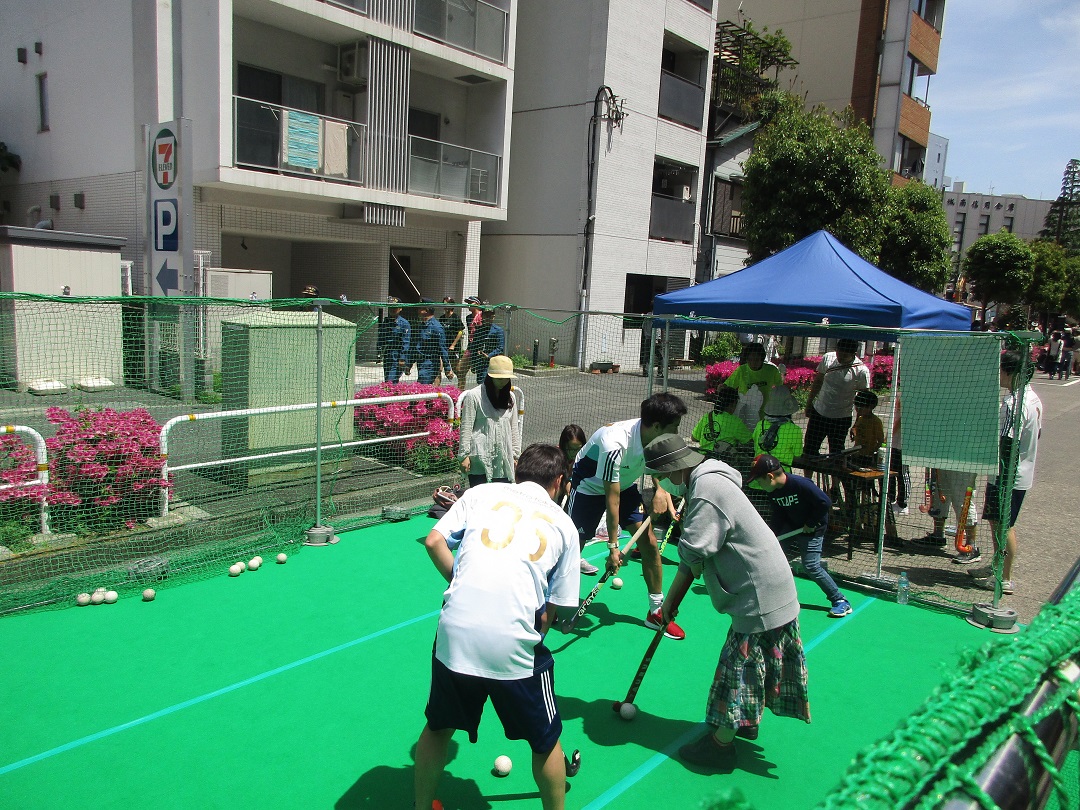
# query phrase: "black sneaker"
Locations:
[[968, 557], [747, 732], [708, 753]]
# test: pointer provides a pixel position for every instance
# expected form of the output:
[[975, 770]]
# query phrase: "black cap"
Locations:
[[762, 466]]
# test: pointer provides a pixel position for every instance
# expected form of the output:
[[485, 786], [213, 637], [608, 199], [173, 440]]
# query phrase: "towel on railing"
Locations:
[[336, 149], [301, 145]]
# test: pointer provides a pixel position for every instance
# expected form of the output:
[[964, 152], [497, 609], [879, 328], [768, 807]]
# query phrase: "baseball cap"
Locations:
[[472, 301], [669, 453], [762, 466]]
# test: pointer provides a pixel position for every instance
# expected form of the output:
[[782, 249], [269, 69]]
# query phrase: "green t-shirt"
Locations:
[[743, 377], [720, 427], [789, 441]]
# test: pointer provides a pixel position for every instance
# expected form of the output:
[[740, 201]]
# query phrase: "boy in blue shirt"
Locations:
[[798, 504]]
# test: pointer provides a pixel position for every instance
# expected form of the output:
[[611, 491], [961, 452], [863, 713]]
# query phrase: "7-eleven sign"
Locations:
[[163, 159]]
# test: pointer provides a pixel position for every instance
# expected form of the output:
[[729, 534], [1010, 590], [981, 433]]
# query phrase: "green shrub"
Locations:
[[723, 346]]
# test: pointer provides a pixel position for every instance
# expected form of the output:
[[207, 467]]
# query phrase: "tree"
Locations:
[[812, 170], [1049, 279], [915, 243], [1070, 302], [1000, 267], [1063, 219]]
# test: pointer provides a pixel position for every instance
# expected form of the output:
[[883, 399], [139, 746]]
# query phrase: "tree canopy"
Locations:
[[915, 245], [808, 171], [1063, 219], [1000, 268], [814, 170]]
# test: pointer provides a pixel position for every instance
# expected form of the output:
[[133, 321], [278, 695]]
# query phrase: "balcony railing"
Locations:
[[450, 172], [705, 4], [671, 219], [280, 139], [681, 100], [471, 25]]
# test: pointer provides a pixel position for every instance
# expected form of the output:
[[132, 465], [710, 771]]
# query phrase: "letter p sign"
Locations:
[[166, 226]]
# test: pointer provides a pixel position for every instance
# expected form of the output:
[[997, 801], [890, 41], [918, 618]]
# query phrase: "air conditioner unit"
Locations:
[[352, 63]]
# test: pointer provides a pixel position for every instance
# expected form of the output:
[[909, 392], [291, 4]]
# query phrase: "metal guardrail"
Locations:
[[41, 456], [308, 406]]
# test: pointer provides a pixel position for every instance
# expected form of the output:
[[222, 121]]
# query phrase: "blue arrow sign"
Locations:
[[168, 278]]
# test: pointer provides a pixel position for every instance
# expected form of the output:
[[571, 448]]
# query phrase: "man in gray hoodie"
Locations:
[[725, 541]]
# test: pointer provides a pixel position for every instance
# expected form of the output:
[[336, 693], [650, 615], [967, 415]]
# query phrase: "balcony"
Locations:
[[672, 220], [914, 120], [450, 172], [705, 4], [924, 43], [279, 139], [681, 100], [470, 25]]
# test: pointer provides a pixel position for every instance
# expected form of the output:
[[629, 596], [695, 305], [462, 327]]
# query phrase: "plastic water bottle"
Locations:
[[903, 589]]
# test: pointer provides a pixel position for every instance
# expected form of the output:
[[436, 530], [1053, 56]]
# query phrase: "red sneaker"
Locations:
[[654, 620]]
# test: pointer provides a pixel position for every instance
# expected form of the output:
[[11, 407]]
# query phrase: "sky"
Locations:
[[1007, 94]]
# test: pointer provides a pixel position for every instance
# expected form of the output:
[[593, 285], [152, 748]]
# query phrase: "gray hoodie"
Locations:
[[726, 541]]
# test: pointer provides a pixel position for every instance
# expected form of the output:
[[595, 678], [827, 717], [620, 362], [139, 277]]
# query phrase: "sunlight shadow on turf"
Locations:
[[599, 616], [385, 786]]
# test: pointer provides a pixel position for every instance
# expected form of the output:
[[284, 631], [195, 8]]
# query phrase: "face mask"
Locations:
[[678, 490]]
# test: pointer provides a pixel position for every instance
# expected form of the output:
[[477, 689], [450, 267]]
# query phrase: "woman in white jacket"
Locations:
[[490, 435]]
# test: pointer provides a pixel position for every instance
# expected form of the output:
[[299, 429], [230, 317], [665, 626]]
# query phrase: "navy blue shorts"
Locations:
[[587, 510], [990, 504], [526, 707]]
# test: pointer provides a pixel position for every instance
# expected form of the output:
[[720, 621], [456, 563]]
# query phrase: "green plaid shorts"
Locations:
[[758, 671]]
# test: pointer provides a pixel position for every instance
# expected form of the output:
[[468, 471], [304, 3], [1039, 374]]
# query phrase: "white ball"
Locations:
[[148, 595], [97, 597], [260, 559], [235, 570], [243, 566], [282, 557], [100, 590], [254, 564], [628, 711], [111, 597], [616, 583], [503, 765], [82, 600]]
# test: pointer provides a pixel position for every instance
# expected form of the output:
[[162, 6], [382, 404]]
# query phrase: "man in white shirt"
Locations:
[[1021, 426], [517, 558], [605, 478], [832, 393]]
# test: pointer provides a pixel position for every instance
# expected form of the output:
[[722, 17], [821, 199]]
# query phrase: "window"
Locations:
[[727, 208], [43, 102], [984, 224], [1007, 224]]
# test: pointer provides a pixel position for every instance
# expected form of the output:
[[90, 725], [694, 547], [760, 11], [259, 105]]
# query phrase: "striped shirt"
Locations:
[[613, 454]]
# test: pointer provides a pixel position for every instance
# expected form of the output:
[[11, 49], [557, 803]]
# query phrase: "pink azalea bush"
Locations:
[[432, 453], [104, 469], [800, 371]]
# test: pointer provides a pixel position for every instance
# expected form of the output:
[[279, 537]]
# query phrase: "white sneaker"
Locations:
[[899, 510], [588, 568]]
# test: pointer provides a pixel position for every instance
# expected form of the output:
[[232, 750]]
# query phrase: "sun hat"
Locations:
[[762, 466], [501, 367], [669, 453], [780, 402]]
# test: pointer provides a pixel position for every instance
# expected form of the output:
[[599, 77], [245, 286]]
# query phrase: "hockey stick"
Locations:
[[961, 529], [671, 526], [568, 625], [639, 676]]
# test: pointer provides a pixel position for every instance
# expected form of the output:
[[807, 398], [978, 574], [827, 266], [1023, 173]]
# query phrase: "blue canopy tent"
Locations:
[[815, 287]]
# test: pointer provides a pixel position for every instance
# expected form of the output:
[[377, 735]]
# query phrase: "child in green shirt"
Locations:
[[722, 425]]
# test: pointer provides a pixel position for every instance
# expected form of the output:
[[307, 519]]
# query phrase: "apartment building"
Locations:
[[354, 145], [609, 119], [874, 55]]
